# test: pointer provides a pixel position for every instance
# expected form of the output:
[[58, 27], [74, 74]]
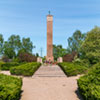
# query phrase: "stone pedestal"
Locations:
[[39, 59], [50, 58], [60, 60]]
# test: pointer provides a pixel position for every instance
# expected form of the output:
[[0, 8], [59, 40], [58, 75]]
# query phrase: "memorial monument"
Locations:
[[49, 56]]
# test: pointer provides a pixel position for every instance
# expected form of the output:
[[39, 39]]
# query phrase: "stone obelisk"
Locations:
[[49, 56]]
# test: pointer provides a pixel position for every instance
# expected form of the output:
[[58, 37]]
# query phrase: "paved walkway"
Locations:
[[49, 83], [49, 71]]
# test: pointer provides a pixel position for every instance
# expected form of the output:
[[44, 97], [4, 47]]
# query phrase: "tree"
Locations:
[[58, 51], [8, 51], [27, 57], [91, 46], [1, 43], [15, 43], [14, 46], [27, 45], [74, 42], [37, 55]]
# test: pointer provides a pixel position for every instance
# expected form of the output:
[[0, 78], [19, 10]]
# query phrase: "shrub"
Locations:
[[8, 65], [82, 62], [72, 69], [16, 60], [89, 84], [90, 48], [69, 57], [25, 69], [1, 62], [27, 57], [5, 59], [10, 87]]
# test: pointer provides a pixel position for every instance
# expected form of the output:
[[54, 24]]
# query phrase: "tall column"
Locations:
[[49, 56]]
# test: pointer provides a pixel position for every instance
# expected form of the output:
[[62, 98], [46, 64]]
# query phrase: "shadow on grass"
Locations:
[[79, 95]]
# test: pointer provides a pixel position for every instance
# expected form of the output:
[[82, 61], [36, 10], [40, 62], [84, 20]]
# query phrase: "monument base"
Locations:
[[51, 59], [60, 60]]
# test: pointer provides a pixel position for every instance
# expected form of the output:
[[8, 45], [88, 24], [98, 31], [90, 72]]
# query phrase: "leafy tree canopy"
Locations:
[[15, 45], [8, 51], [75, 41], [27, 45], [1, 43], [58, 51], [15, 42], [91, 46]]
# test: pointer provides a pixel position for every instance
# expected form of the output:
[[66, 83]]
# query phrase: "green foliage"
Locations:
[[8, 65], [72, 69], [25, 69], [83, 62], [27, 45], [13, 46], [21, 51], [58, 51], [15, 42], [91, 46], [10, 87], [1, 43], [37, 55], [89, 84], [27, 57], [16, 60], [5, 59], [1, 63], [75, 41], [44, 59], [8, 50]]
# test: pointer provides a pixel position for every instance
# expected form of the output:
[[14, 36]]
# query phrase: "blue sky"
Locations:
[[27, 18]]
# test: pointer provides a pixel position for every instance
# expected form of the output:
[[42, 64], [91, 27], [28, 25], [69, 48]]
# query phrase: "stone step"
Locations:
[[49, 71], [49, 76]]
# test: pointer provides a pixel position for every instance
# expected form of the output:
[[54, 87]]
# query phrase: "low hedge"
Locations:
[[1, 63], [25, 69], [8, 65], [72, 69], [82, 62], [89, 84], [10, 87]]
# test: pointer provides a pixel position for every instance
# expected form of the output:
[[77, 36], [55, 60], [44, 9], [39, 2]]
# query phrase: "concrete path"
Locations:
[[49, 71], [49, 83]]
